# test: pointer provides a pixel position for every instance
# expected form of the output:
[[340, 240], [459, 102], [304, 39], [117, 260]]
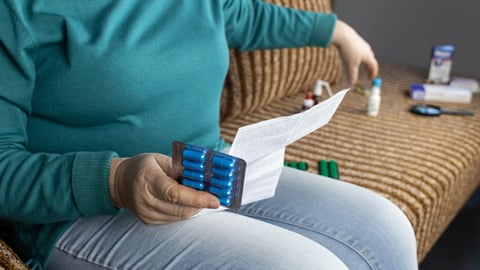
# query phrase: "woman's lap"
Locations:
[[361, 228]]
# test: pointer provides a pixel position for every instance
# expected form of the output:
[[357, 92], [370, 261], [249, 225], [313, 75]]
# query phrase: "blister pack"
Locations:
[[215, 172]]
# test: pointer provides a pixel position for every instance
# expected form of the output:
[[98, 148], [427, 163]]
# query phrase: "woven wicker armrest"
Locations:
[[9, 260]]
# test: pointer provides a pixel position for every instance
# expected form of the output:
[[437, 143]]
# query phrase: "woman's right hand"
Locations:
[[143, 185]]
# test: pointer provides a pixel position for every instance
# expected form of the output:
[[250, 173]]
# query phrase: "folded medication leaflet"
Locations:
[[262, 145]]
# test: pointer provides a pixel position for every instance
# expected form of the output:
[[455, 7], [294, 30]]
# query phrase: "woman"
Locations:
[[92, 93]]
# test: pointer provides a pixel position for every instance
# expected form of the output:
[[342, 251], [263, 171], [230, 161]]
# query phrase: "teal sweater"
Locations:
[[82, 82]]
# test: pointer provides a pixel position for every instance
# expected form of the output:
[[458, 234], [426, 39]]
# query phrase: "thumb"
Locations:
[[372, 68]]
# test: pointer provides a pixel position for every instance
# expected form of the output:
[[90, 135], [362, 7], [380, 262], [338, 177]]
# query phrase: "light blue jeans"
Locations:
[[313, 222]]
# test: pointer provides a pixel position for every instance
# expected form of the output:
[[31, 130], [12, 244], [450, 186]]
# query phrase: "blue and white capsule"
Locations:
[[223, 162], [193, 165], [193, 184], [225, 201], [220, 191], [223, 173], [222, 183], [195, 154], [194, 175]]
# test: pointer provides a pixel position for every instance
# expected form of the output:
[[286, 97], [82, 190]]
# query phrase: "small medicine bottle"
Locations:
[[308, 101], [374, 99], [317, 92]]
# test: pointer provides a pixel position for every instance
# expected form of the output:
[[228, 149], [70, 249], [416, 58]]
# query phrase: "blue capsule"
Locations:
[[193, 184], [223, 173], [194, 154], [206, 170], [193, 165], [225, 201], [194, 175], [223, 162], [220, 191], [223, 183]]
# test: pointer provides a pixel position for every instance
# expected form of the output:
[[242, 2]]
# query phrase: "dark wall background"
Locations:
[[403, 31]]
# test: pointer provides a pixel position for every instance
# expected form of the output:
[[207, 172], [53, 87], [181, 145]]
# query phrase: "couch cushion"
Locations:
[[260, 77], [429, 167]]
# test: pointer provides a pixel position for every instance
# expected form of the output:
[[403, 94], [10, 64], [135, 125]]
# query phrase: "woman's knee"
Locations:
[[391, 232], [376, 228], [357, 224]]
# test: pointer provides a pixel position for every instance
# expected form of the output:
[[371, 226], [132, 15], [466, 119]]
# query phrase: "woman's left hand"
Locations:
[[355, 51]]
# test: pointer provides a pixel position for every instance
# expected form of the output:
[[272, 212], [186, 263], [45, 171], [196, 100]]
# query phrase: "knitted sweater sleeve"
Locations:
[[39, 188], [254, 24]]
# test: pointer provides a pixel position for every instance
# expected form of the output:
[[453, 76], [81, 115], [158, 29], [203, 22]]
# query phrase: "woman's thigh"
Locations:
[[365, 230], [221, 240]]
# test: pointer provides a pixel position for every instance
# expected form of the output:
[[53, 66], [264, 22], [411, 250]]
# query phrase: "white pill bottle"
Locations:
[[373, 105]]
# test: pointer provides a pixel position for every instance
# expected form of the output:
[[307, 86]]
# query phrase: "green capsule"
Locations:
[[323, 168], [333, 169], [302, 165]]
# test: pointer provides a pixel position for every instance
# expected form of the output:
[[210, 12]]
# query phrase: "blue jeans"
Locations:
[[313, 222]]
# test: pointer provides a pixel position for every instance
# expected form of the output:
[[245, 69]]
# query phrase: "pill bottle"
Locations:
[[308, 102], [317, 92], [374, 99]]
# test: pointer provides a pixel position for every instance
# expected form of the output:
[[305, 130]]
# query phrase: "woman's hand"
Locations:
[[355, 51], [142, 184]]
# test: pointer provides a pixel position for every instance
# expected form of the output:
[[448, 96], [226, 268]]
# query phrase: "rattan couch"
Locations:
[[429, 167]]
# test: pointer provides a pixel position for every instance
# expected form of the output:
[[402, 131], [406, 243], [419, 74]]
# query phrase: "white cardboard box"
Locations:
[[468, 83], [441, 63], [440, 92]]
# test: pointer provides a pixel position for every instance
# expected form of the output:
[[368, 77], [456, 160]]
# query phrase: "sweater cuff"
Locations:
[[323, 29], [90, 174]]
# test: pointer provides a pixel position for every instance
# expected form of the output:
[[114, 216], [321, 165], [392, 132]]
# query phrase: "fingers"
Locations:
[[169, 190], [172, 202], [164, 213], [142, 184], [172, 192], [176, 203], [371, 64]]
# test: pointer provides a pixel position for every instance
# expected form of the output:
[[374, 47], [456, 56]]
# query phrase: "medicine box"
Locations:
[[468, 83], [441, 63], [440, 92]]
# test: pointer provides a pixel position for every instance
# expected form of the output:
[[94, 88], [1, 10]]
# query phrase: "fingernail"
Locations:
[[213, 203]]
